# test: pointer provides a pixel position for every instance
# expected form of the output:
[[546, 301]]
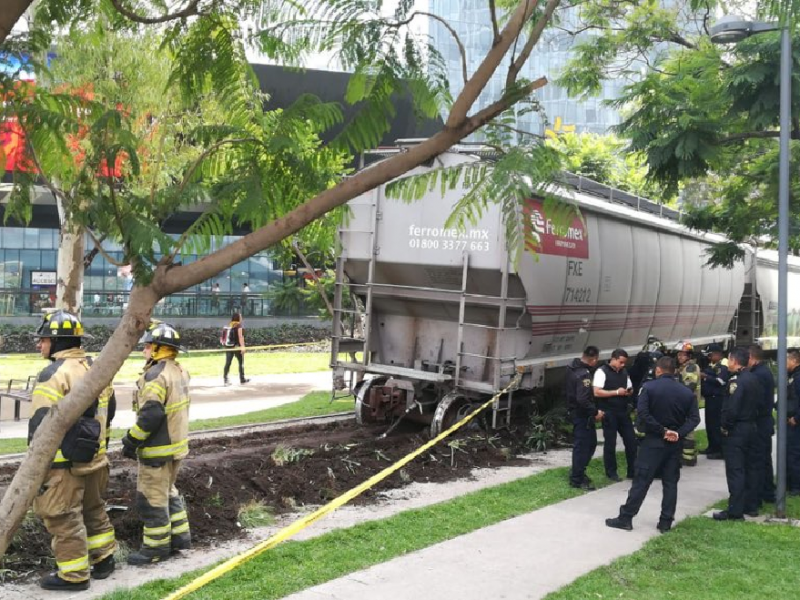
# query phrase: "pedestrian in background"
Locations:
[[765, 424], [666, 412], [612, 391], [235, 339], [245, 298], [713, 383], [739, 415], [584, 414]]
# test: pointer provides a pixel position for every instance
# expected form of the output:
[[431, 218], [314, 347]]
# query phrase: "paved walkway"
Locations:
[[529, 556], [210, 399]]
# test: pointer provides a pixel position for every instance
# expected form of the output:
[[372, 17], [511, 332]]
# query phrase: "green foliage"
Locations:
[[286, 297], [603, 158], [704, 117], [255, 514]]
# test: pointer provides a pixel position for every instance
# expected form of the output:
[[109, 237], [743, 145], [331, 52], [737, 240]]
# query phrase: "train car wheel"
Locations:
[[362, 408], [449, 411]]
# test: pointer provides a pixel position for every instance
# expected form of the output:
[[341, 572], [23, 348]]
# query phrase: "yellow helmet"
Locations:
[[60, 324]]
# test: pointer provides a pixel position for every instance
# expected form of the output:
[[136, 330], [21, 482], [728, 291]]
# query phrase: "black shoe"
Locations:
[[181, 544], [686, 462], [583, 485], [104, 568], [703, 451], [714, 456], [619, 523], [629, 476], [794, 492], [614, 477], [664, 526], [243, 381], [724, 515], [146, 556], [226, 382], [55, 583]]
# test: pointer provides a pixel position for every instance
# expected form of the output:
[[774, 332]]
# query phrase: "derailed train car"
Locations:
[[450, 317]]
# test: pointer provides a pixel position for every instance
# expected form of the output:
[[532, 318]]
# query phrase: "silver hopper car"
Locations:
[[449, 318]]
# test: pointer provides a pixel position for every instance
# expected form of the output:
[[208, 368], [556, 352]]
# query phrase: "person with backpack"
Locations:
[[233, 337], [70, 502]]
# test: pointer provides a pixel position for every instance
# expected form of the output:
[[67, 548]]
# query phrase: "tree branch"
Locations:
[[98, 245], [495, 29], [477, 83], [533, 39], [190, 11], [11, 12]]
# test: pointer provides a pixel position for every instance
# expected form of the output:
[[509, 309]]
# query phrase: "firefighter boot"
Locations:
[[57, 584], [104, 568], [147, 556]]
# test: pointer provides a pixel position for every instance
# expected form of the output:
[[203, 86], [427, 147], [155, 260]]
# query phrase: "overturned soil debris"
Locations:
[[284, 470]]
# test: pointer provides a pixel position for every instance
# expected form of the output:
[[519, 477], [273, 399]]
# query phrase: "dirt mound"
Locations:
[[285, 470]]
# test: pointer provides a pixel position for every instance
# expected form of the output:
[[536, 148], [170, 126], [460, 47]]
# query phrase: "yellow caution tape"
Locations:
[[296, 527]]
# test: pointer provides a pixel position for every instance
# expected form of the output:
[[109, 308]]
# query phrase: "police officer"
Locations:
[[714, 381], [160, 441], [739, 415], [793, 430], [71, 500], [584, 414], [765, 424], [689, 375], [612, 391], [666, 412]]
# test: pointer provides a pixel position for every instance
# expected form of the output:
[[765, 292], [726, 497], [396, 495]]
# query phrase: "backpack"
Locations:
[[226, 337]]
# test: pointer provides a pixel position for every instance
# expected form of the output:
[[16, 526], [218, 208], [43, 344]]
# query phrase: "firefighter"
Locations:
[[714, 382], [689, 375], [160, 441], [70, 501]]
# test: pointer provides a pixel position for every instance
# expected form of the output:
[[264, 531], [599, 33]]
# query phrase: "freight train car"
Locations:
[[449, 317]]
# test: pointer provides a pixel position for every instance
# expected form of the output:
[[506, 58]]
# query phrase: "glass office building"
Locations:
[[28, 258], [471, 20]]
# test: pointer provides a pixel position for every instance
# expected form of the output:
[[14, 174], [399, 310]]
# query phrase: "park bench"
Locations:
[[18, 394]]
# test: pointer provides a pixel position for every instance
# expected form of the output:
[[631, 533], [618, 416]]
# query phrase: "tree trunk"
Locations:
[[71, 248], [11, 12], [33, 470], [168, 279]]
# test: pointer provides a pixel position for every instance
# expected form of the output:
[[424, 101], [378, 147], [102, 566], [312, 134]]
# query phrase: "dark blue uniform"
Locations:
[[739, 415], [582, 410], [793, 433], [616, 419], [663, 404], [712, 388], [765, 426]]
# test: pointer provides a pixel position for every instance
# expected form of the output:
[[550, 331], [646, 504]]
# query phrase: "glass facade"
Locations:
[[28, 258], [471, 20]]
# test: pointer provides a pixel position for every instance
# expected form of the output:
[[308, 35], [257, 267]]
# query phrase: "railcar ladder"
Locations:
[[501, 407], [337, 336]]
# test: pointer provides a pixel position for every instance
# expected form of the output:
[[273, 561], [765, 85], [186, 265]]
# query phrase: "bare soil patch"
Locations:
[[287, 470]]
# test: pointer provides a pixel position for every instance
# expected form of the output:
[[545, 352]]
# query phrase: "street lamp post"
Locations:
[[733, 29]]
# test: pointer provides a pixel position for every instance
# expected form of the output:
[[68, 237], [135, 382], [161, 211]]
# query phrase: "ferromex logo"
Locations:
[[544, 236]]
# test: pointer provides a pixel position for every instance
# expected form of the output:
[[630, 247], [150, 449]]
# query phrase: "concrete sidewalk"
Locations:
[[210, 399], [529, 556]]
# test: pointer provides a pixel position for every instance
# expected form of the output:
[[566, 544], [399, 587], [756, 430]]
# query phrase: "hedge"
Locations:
[[19, 340]]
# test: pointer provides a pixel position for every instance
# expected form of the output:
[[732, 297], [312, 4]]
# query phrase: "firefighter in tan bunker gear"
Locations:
[[689, 375], [70, 501], [160, 440]]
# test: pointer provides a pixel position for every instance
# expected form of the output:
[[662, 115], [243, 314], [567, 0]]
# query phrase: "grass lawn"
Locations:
[[700, 559], [294, 566], [311, 405], [20, 366]]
